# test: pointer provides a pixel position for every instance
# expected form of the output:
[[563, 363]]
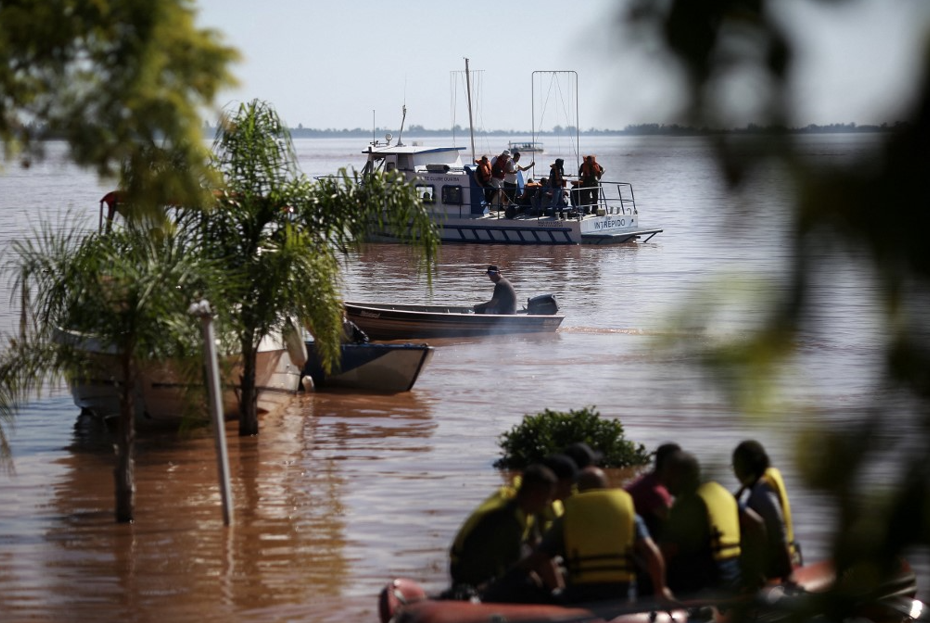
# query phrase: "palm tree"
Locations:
[[280, 236], [128, 291]]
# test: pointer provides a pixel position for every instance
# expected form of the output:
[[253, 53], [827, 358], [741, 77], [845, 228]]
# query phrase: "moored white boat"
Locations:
[[163, 395]]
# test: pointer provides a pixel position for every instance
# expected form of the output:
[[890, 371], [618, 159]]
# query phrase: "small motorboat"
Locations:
[[892, 602], [387, 368], [387, 321]]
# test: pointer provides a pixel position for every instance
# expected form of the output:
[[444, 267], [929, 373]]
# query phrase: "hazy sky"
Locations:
[[331, 64]]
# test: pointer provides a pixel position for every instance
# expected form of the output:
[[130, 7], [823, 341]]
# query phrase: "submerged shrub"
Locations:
[[549, 432]]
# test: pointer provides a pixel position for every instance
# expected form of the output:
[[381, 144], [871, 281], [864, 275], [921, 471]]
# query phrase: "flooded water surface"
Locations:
[[341, 492]]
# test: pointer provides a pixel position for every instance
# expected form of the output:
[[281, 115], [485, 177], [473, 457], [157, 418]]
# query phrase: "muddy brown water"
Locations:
[[341, 492]]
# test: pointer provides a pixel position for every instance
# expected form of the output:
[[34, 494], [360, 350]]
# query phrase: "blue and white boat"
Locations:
[[457, 204], [448, 188]]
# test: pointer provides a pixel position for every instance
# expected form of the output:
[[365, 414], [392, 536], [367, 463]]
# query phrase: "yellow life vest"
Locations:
[[598, 530], [496, 500], [723, 516], [772, 477]]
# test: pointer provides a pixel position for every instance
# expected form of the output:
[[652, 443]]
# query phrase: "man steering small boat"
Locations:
[[504, 298]]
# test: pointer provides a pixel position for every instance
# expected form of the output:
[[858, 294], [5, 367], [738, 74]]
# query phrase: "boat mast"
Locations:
[[471, 125]]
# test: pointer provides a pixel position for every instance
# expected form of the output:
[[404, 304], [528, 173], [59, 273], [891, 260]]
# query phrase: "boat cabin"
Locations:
[[444, 183]]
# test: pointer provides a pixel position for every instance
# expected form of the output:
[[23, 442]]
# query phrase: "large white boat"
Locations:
[[165, 395], [448, 187], [457, 203]]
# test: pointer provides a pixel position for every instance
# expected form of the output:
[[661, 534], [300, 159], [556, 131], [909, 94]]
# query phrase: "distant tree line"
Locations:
[[644, 129]]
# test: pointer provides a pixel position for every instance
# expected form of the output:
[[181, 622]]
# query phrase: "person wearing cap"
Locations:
[[597, 537], [504, 298], [511, 169]]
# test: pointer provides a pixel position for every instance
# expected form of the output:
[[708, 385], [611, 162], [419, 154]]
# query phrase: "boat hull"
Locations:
[[393, 322], [547, 230], [404, 600], [387, 368], [164, 394]]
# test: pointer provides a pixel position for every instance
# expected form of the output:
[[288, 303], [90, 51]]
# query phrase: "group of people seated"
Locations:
[[560, 533], [498, 178]]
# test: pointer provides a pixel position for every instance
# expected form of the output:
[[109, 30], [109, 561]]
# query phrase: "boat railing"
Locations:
[[612, 198], [623, 202]]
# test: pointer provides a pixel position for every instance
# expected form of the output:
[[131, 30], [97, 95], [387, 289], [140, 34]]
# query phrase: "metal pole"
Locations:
[[471, 124], [202, 309]]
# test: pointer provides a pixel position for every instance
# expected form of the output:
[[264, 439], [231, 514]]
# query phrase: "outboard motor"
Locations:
[[542, 305]]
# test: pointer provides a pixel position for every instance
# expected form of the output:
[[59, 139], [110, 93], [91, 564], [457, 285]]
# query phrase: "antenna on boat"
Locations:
[[401, 133], [374, 128], [471, 125]]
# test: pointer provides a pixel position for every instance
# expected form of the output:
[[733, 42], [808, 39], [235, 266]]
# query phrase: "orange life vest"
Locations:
[[483, 172], [590, 171]]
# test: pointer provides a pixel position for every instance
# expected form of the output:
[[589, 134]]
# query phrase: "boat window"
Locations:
[[427, 192], [452, 195], [390, 167]]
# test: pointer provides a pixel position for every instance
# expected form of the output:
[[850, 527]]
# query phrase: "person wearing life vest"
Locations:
[[589, 174], [499, 166], [763, 492], [701, 539], [491, 541], [483, 177], [597, 536]]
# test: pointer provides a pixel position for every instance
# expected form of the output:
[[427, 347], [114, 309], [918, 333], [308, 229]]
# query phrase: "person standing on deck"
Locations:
[[483, 178], [498, 173], [589, 173], [504, 298], [557, 184], [510, 175]]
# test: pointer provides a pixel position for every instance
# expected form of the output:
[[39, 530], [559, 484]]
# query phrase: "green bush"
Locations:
[[552, 431]]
